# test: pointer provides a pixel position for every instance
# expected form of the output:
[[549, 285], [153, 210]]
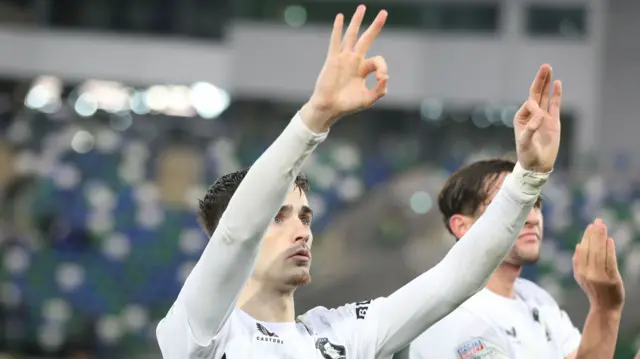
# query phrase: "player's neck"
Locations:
[[266, 304], [503, 279]]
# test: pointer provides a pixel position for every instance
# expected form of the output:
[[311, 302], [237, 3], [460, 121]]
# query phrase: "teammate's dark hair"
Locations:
[[468, 188], [217, 199]]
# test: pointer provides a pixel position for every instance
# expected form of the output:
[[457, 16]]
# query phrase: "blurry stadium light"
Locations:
[[208, 100], [66, 176], [350, 188], [431, 109], [82, 142], [138, 104], [56, 310], [69, 276], [109, 329], [493, 115], [16, 260], [44, 94], [108, 141], [149, 216], [86, 105], [121, 121], [179, 103], [191, 241], [479, 119], [157, 98], [51, 336], [10, 295], [295, 15], [52, 107], [507, 115], [324, 176], [421, 202], [134, 317], [110, 96], [345, 157], [116, 247], [318, 204], [100, 221], [19, 132]]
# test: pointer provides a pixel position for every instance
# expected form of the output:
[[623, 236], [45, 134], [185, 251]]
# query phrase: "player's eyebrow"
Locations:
[[306, 210]]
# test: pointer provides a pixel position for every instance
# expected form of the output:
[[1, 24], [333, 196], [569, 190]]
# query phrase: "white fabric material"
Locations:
[[532, 325], [204, 323]]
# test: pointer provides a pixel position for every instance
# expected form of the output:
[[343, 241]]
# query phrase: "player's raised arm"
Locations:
[[465, 269], [212, 288]]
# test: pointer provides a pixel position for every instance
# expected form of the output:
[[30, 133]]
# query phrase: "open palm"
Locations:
[[537, 124], [595, 268]]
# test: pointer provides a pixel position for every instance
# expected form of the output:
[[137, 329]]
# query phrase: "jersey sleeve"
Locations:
[[198, 318], [461, 335], [410, 310], [176, 338]]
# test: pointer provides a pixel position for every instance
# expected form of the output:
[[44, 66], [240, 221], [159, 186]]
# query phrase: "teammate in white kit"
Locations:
[[238, 300], [513, 317]]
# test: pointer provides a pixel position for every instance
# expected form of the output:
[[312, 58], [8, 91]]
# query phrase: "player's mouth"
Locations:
[[529, 237], [301, 254]]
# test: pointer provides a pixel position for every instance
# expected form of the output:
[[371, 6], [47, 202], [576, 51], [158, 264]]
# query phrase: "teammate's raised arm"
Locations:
[[212, 289], [465, 269], [595, 268]]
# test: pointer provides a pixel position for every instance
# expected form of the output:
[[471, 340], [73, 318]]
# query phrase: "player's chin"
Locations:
[[529, 258], [299, 276]]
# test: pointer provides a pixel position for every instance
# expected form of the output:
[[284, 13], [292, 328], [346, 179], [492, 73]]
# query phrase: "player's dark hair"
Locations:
[[468, 188], [217, 199]]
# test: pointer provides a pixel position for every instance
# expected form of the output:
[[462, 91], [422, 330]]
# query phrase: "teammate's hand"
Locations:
[[341, 88], [595, 268], [537, 124]]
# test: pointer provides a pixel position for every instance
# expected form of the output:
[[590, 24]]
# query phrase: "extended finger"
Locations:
[[546, 91], [583, 258], [352, 31], [584, 244], [336, 35], [599, 243], [529, 118], [577, 262], [537, 87], [556, 100], [366, 40], [379, 90], [527, 110], [612, 260], [375, 64]]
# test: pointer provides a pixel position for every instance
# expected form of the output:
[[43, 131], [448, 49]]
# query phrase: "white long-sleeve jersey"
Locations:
[[529, 326], [205, 323]]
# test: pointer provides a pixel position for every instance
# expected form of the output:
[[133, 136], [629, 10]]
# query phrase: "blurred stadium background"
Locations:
[[116, 115]]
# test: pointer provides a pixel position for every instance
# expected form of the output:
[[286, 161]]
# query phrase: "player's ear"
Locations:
[[459, 225]]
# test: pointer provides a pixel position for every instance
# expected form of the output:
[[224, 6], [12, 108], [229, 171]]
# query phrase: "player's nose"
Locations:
[[302, 233], [533, 219], [303, 239]]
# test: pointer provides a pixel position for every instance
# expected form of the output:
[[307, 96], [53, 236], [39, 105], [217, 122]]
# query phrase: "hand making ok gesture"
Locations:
[[537, 124], [341, 88]]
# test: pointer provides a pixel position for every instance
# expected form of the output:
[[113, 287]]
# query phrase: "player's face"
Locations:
[[285, 256], [526, 250]]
